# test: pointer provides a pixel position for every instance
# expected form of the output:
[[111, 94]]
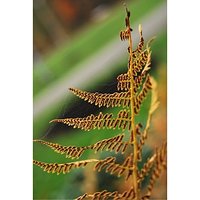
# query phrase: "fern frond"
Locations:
[[70, 151], [160, 165], [138, 81], [141, 43], [142, 95], [124, 81], [106, 195], [141, 58], [114, 168], [153, 107], [109, 163], [103, 99], [140, 62], [100, 121], [111, 144], [124, 35], [62, 168], [146, 168], [130, 194], [133, 87], [148, 62]]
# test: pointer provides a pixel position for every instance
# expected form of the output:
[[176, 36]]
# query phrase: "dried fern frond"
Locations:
[[124, 35], [160, 165], [130, 194], [102, 99], [100, 121], [141, 43], [138, 81], [108, 163], [124, 81], [103, 195], [106, 195], [114, 168], [146, 168], [62, 168], [111, 144], [140, 62], [153, 107], [148, 62], [142, 95], [140, 59], [140, 65], [133, 87], [69, 151]]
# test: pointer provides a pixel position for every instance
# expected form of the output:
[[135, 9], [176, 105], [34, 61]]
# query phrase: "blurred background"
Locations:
[[76, 44]]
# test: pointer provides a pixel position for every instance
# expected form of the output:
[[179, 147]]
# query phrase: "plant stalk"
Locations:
[[133, 131]]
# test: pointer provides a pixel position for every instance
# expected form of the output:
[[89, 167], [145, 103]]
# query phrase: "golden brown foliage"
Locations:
[[62, 168], [136, 83], [99, 121], [101, 99], [111, 144], [103, 195]]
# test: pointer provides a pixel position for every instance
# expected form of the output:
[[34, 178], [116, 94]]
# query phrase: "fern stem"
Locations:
[[133, 130]]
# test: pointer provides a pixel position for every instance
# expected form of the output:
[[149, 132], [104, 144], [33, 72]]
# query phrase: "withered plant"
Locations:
[[133, 87]]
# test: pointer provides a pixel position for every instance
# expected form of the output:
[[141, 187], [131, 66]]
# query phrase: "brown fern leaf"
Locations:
[[111, 144], [153, 107], [100, 121], [124, 35], [89, 122], [138, 81], [70, 151], [143, 93], [124, 81], [122, 121], [146, 168], [140, 45], [130, 194], [140, 62], [102, 99], [114, 168], [62, 168], [106, 195], [160, 165], [141, 59], [103, 195], [148, 61]]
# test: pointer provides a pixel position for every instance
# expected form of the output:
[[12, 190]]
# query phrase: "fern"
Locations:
[[130, 194], [133, 87], [99, 121], [111, 144], [108, 100]]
